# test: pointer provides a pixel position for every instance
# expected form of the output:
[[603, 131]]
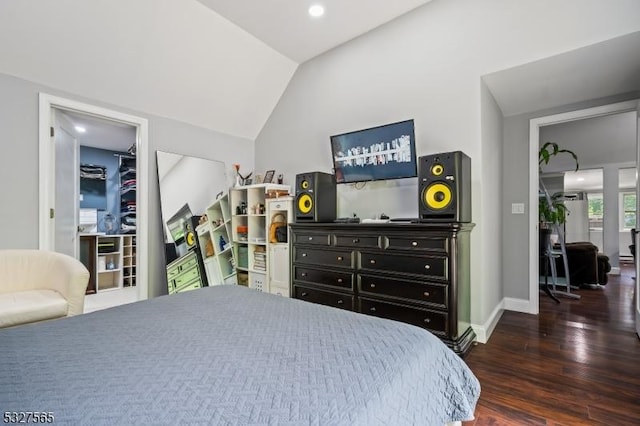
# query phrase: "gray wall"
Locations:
[[391, 74], [492, 171], [426, 65], [515, 189], [19, 165]]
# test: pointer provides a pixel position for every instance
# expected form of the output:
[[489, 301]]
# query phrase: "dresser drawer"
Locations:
[[173, 272], [191, 285], [317, 256], [186, 276], [333, 278], [434, 321], [337, 300], [434, 294], [357, 241], [187, 261], [404, 242], [431, 266], [311, 238]]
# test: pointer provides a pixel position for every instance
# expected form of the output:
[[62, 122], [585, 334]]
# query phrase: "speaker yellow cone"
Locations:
[[304, 184], [305, 202], [437, 196], [191, 239], [437, 169]]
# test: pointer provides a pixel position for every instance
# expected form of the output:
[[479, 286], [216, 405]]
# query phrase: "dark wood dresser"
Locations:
[[416, 273]]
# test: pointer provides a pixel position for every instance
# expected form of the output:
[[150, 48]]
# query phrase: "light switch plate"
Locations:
[[517, 208]]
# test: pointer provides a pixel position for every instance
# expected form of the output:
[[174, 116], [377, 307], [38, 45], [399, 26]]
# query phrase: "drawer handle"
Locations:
[[356, 241], [372, 309], [372, 261], [340, 258], [340, 302], [373, 285], [414, 243], [427, 267], [339, 280], [427, 320], [304, 274], [426, 293], [304, 294], [304, 254]]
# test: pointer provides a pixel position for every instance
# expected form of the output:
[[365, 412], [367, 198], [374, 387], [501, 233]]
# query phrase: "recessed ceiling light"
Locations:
[[580, 179], [316, 10], [80, 129]]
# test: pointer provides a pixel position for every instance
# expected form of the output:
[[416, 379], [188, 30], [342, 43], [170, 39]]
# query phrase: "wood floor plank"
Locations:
[[576, 363]]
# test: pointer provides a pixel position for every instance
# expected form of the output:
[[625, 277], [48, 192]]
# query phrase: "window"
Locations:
[[596, 210], [628, 210]]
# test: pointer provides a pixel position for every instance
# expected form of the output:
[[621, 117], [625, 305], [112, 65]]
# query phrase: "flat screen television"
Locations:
[[378, 153]]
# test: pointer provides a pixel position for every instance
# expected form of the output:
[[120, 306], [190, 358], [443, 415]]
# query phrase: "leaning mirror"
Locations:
[[195, 212]]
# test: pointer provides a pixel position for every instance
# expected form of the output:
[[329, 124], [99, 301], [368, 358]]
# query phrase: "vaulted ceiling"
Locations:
[[286, 26], [223, 65]]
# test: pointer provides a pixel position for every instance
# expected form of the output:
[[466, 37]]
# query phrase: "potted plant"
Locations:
[[551, 209]]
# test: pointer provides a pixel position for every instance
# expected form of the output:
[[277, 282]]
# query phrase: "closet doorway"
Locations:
[[92, 194]]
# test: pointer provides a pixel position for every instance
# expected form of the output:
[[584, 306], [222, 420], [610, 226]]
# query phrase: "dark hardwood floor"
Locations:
[[577, 363]]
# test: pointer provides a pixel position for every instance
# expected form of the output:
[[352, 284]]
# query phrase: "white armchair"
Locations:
[[37, 285]]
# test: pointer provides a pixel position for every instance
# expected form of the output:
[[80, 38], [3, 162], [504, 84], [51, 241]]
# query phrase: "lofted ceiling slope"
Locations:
[[171, 58], [603, 69], [286, 26]]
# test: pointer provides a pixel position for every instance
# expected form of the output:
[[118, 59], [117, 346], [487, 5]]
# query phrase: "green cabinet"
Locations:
[[184, 274]]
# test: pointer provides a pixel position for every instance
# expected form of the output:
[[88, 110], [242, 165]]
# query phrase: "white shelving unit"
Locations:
[[216, 244], [279, 252], [128, 260], [250, 232], [110, 259], [109, 262]]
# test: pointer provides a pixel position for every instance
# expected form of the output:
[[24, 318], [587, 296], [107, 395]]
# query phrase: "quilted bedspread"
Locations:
[[232, 356]]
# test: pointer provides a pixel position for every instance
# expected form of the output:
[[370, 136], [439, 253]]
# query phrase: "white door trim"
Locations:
[[534, 146], [47, 182], [635, 238]]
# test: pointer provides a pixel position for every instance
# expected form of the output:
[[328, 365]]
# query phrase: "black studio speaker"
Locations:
[[444, 182], [315, 197], [190, 237]]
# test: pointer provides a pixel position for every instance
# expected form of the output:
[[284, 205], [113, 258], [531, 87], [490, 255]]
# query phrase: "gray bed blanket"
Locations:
[[228, 355]]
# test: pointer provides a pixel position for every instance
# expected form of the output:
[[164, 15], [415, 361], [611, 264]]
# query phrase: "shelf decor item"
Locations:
[[268, 176], [241, 180]]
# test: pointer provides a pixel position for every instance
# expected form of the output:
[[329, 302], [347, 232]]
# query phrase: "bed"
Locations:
[[229, 355]]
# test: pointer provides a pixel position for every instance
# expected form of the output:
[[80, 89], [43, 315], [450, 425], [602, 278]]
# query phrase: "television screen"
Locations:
[[383, 152]]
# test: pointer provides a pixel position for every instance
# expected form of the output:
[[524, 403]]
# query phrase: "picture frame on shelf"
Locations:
[[268, 176]]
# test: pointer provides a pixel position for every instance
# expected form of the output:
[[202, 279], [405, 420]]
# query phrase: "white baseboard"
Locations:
[[517, 305], [615, 270], [483, 331]]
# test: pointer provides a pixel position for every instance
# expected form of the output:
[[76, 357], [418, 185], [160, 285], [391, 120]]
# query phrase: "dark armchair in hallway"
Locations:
[[586, 266]]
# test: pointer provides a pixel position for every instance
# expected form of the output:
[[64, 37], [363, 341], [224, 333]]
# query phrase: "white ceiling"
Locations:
[[167, 58], [592, 180], [223, 65], [286, 26], [102, 133], [592, 72], [597, 142]]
